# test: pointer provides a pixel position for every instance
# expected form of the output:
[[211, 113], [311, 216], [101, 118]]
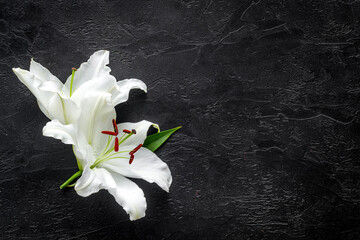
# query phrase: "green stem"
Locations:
[[72, 178]]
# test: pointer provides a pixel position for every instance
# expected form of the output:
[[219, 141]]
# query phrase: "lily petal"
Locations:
[[96, 116], [129, 196], [141, 129], [146, 165], [43, 73], [57, 130], [121, 93], [51, 86], [95, 67], [63, 109], [44, 98], [32, 83], [101, 84], [125, 192], [93, 180]]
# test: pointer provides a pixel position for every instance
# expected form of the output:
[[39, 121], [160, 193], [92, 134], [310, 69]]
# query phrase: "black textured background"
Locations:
[[267, 93]]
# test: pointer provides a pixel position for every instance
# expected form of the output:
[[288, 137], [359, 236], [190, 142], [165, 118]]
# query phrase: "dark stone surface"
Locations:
[[267, 92]]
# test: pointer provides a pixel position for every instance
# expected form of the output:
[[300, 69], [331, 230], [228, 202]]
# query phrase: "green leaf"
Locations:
[[154, 141]]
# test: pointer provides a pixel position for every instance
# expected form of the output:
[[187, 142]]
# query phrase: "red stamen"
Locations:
[[126, 131], [115, 127], [131, 159], [133, 131], [116, 145], [108, 132], [135, 149]]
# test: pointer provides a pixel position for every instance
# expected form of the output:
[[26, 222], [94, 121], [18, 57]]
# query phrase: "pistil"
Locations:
[[72, 79]]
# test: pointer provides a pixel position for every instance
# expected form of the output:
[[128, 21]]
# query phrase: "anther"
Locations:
[[115, 133], [133, 131], [131, 159], [108, 132], [126, 131], [116, 144], [132, 153], [74, 69], [135, 149], [115, 126]]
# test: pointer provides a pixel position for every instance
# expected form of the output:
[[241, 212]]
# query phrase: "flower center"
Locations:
[[115, 133], [105, 155]]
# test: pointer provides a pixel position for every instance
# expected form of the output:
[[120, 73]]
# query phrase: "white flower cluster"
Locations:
[[82, 113]]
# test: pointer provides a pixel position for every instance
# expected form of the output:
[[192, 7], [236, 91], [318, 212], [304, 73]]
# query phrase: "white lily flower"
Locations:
[[61, 101], [108, 153]]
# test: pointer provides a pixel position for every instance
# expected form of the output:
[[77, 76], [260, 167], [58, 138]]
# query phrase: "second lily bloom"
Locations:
[[63, 101]]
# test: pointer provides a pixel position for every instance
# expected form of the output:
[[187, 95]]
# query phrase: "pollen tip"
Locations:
[[135, 149], [116, 148], [131, 159], [115, 126], [133, 131], [74, 69], [110, 133]]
